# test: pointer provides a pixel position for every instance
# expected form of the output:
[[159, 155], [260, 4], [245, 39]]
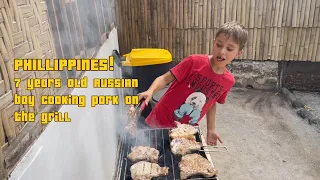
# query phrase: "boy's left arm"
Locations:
[[212, 134]]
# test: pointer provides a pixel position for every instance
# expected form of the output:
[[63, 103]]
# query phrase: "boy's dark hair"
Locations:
[[237, 31]]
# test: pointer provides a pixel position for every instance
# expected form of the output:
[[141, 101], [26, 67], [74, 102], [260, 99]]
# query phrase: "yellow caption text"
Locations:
[[62, 64]]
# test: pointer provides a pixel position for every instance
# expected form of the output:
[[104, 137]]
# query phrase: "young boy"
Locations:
[[199, 81]]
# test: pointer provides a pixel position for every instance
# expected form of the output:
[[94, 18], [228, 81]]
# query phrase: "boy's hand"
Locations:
[[147, 95], [212, 137]]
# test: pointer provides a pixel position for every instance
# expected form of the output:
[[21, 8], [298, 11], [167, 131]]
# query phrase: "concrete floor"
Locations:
[[265, 139]]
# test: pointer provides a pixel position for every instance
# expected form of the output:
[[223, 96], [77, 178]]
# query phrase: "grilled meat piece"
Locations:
[[195, 164], [131, 127], [182, 146], [144, 170], [144, 153], [183, 131]]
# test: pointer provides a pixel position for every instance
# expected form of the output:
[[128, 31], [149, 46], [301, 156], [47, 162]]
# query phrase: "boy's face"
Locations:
[[225, 49]]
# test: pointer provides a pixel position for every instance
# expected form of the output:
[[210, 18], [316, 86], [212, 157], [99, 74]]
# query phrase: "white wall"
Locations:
[[84, 149]]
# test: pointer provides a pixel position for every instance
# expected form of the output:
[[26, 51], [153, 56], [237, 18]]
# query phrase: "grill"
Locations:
[[159, 139]]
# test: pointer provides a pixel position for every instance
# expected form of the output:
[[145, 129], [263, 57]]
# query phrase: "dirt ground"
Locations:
[[265, 139], [311, 99]]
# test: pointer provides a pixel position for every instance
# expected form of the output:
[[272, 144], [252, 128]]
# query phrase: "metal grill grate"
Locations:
[[156, 138]]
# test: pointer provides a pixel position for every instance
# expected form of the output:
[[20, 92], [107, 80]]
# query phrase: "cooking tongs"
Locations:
[[139, 108], [214, 149]]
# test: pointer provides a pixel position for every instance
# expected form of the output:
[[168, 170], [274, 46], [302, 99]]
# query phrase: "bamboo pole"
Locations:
[[317, 16], [285, 13], [196, 14], [285, 40], [205, 14], [185, 45], [281, 10], [256, 14], [257, 46], [250, 44], [243, 13], [272, 51], [149, 21], [315, 50], [222, 12], [227, 10], [289, 44], [280, 48], [190, 13], [189, 40], [311, 45], [268, 14], [312, 13], [234, 10], [248, 4], [289, 16], [297, 44], [200, 13], [239, 2], [193, 15], [260, 13], [307, 13], [209, 16], [294, 43], [300, 16], [307, 46], [275, 50], [302, 38], [294, 14], [207, 40], [181, 7], [254, 44], [173, 18], [318, 51]]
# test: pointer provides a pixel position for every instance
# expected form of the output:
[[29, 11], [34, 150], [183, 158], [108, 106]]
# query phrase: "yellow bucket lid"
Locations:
[[147, 56]]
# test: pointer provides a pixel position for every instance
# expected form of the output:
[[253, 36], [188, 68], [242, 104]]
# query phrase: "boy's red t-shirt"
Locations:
[[190, 96]]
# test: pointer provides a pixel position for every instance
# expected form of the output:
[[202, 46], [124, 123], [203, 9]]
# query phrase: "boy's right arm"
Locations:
[[158, 84]]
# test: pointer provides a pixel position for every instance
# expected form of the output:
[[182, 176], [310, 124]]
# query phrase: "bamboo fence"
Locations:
[[42, 29], [279, 30]]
